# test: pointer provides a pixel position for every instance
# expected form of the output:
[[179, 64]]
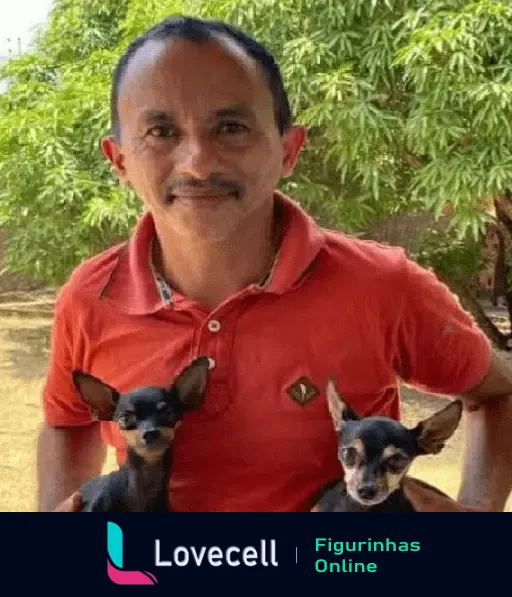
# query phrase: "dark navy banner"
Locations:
[[233, 553]]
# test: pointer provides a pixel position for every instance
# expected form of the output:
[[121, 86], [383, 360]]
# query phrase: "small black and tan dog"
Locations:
[[376, 454], [147, 418]]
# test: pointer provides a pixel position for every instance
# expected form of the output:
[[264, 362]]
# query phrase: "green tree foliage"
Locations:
[[408, 106], [56, 192]]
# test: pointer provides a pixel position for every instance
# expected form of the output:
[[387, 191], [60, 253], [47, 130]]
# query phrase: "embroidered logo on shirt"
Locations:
[[303, 391]]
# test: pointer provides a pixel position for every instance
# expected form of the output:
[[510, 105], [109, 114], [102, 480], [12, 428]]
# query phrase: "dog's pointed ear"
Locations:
[[433, 432], [339, 410], [101, 399], [191, 383]]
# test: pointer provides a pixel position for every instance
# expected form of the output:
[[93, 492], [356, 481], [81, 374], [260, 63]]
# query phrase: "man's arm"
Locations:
[[66, 457], [70, 449], [487, 466], [440, 348]]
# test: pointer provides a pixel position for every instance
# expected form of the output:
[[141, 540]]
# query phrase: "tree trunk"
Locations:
[[473, 306]]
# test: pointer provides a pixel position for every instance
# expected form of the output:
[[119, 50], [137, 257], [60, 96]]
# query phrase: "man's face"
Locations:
[[198, 136]]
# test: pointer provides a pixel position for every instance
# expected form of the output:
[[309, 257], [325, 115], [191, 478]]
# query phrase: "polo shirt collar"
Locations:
[[301, 240], [137, 288]]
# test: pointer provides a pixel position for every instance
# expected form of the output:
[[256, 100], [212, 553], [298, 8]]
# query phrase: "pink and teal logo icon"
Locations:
[[115, 570]]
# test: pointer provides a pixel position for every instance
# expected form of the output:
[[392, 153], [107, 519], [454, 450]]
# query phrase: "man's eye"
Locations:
[[160, 131], [230, 128]]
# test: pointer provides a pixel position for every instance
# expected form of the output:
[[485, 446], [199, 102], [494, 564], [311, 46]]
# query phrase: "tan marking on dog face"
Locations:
[[393, 480], [354, 474], [356, 479], [387, 482], [168, 433], [353, 477], [131, 437], [391, 451], [148, 453], [358, 446]]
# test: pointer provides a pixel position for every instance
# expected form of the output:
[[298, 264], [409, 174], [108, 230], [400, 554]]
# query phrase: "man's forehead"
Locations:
[[156, 49], [243, 110], [162, 66]]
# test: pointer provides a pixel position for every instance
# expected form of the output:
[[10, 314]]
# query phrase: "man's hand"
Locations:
[[71, 504], [66, 459], [425, 499]]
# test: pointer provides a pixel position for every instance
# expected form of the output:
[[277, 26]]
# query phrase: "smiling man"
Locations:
[[222, 264]]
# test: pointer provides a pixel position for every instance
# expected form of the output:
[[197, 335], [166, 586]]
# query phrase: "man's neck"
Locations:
[[209, 272]]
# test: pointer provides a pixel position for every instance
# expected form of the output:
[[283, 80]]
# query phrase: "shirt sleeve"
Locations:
[[439, 346], [62, 404]]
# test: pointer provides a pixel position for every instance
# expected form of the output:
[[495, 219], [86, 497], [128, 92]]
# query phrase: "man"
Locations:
[[223, 265]]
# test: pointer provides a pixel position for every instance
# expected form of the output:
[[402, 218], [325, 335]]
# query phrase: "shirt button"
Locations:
[[214, 325], [212, 363]]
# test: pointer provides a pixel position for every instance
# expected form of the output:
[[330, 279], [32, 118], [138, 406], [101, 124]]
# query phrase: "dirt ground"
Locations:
[[24, 335]]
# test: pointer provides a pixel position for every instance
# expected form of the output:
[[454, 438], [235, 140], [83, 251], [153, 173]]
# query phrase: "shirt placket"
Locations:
[[214, 339]]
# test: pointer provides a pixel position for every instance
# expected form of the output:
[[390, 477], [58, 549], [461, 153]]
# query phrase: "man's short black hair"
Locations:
[[196, 29]]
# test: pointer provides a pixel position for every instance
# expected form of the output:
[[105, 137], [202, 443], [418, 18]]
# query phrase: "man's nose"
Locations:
[[195, 157]]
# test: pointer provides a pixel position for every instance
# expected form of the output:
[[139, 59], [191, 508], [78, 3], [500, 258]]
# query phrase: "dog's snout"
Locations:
[[367, 491], [150, 436]]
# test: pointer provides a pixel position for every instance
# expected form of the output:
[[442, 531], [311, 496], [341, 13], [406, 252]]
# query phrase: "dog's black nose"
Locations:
[[151, 436], [367, 491]]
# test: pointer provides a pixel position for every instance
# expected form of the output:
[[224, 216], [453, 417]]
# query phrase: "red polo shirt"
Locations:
[[264, 441]]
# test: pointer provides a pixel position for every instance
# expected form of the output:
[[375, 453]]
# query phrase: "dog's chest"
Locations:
[[126, 491], [106, 493], [147, 488]]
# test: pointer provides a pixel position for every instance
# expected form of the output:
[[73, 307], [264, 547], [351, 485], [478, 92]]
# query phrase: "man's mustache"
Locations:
[[215, 184]]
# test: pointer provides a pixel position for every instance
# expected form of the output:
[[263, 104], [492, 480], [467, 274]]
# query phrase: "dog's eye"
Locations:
[[349, 455], [396, 463], [128, 420]]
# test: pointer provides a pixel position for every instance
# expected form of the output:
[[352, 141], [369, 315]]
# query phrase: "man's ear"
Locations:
[[339, 410], [111, 149], [100, 398], [293, 141], [191, 383], [433, 432]]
